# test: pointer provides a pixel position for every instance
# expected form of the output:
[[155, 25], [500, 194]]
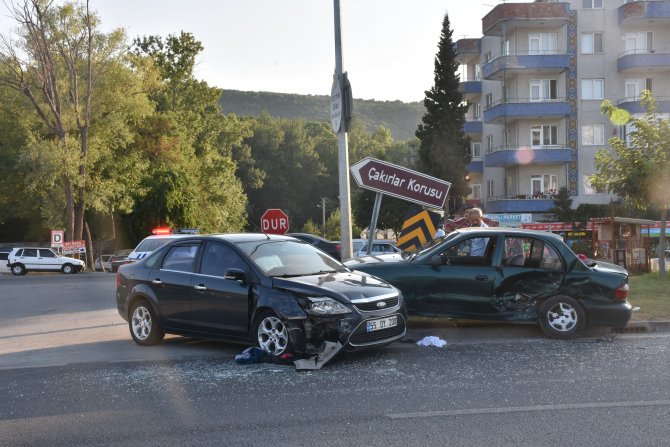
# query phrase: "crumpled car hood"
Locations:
[[345, 285], [393, 257]]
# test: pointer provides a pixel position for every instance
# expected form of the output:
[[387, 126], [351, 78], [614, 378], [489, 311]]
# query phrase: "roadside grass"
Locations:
[[651, 294]]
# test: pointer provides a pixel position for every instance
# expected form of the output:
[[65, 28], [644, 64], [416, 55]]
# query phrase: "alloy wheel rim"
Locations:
[[272, 336], [17, 269], [67, 269], [141, 323], [562, 317]]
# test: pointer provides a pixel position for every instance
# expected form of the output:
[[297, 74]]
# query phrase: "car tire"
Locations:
[[562, 317], [68, 269], [272, 334], [18, 269], [143, 324]]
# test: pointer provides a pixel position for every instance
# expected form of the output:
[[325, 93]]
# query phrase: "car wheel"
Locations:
[[272, 334], [18, 269], [68, 269], [562, 317], [144, 327]]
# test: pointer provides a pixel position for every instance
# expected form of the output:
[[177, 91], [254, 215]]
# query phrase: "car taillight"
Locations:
[[621, 293], [338, 247]]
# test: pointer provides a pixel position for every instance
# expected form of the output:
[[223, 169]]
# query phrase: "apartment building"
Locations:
[[535, 81]]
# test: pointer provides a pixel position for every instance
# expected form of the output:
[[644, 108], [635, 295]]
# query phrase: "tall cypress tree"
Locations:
[[443, 152]]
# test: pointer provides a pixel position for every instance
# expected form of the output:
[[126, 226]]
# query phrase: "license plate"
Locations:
[[381, 323]]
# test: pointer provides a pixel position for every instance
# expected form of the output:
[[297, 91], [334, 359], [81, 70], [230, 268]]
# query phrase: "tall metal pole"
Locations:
[[342, 151]]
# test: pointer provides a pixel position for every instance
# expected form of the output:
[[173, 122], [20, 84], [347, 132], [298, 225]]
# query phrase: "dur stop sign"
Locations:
[[274, 221]]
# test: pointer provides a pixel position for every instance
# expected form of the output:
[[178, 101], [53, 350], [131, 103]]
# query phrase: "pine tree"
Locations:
[[443, 152]]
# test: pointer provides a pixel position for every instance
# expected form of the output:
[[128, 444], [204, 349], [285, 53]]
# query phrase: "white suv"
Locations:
[[22, 260]]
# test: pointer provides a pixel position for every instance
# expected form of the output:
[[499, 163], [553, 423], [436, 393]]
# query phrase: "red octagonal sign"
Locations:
[[274, 221]]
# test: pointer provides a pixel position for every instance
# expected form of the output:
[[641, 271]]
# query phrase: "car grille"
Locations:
[[360, 337], [372, 306]]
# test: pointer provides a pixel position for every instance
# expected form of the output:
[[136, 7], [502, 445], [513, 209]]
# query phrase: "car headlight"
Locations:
[[326, 306]]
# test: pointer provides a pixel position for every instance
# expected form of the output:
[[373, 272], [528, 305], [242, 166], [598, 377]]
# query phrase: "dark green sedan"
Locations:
[[506, 274]]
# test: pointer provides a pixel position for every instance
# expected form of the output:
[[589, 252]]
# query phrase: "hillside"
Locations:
[[399, 117]]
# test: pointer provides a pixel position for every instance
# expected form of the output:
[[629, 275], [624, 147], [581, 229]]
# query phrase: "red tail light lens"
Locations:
[[621, 293]]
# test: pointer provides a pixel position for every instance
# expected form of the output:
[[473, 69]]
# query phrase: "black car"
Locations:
[[333, 248], [273, 291], [506, 274]]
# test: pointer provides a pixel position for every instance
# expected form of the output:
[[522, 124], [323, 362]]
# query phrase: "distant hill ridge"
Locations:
[[401, 118]]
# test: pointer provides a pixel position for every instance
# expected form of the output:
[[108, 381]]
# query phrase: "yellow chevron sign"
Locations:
[[417, 230]]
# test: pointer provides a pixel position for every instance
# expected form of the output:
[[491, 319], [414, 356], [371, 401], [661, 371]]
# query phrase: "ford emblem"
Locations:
[[381, 304]]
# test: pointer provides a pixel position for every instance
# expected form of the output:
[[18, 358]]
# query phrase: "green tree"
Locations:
[[443, 151], [55, 63], [562, 210], [638, 169]]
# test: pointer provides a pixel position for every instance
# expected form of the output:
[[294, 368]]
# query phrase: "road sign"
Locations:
[[274, 221], [74, 247], [418, 229], [400, 182], [336, 105], [57, 237]]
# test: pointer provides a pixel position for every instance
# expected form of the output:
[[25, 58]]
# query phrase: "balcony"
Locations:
[[518, 204], [505, 156], [643, 60], [523, 108], [635, 14], [470, 89], [507, 17], [544, 62], [473, 127], [475, 166], [633, 105], [467, 50]]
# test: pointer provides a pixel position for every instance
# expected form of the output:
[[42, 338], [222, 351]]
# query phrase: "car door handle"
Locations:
[[157, 281], [482, 278], [200, 288]]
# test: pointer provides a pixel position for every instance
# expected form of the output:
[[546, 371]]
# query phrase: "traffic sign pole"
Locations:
[[342, 150]]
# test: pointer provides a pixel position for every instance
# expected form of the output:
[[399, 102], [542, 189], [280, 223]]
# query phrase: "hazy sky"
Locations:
[[288, 46]]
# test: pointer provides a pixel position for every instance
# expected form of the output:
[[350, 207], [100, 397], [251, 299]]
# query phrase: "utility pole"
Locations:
[[338, 99], [323, 213]]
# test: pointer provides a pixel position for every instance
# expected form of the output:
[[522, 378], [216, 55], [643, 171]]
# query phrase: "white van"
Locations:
[[151, 243]]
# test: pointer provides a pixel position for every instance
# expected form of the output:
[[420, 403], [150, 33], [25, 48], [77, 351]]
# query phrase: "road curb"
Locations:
[[644, 326]]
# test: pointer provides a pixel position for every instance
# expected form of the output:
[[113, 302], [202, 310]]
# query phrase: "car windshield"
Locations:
[[290, 258], [149, 245]]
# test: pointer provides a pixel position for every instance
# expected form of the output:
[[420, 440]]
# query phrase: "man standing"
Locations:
[[478, 245]]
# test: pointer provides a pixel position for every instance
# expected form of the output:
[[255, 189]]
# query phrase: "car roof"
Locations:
[[511, 230], [240, 237]]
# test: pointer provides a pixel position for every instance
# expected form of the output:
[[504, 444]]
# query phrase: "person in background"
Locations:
[[440, 231], [478, 245]]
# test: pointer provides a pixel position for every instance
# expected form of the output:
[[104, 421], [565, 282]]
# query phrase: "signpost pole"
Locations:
[[342, 150], [373, 222]]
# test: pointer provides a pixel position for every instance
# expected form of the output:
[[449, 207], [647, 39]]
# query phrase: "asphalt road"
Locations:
[[71, 376]]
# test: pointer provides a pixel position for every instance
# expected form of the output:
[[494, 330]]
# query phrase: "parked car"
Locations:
[[109, 263], [331, 247], [379, 248], [22, 260], [272, 291], [151, 243], [4, 255], [520, 275]]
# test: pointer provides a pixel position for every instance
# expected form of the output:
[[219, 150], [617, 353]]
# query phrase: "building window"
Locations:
[[593, 88], [543, 89], [587, 189], [642, 42], [545, 135], [593, 134], [592, 4], [489, 143], [489, 189], [592, 43], [478, 72], [489, 100], [477, 110], [634, 87], [476, 148], [542, 43], [487, 57], [477, 191], [541, 184]]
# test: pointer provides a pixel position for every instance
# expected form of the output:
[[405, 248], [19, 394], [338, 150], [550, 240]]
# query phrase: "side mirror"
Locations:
[[235, 275]]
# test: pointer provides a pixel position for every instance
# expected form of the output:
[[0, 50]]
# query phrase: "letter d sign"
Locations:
[[57, 238]]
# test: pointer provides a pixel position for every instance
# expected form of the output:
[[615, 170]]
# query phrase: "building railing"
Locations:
[[524, 101], [527, 147], [637, 99]]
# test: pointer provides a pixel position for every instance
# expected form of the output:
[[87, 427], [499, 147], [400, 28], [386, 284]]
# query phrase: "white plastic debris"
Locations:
[[431, 340]]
